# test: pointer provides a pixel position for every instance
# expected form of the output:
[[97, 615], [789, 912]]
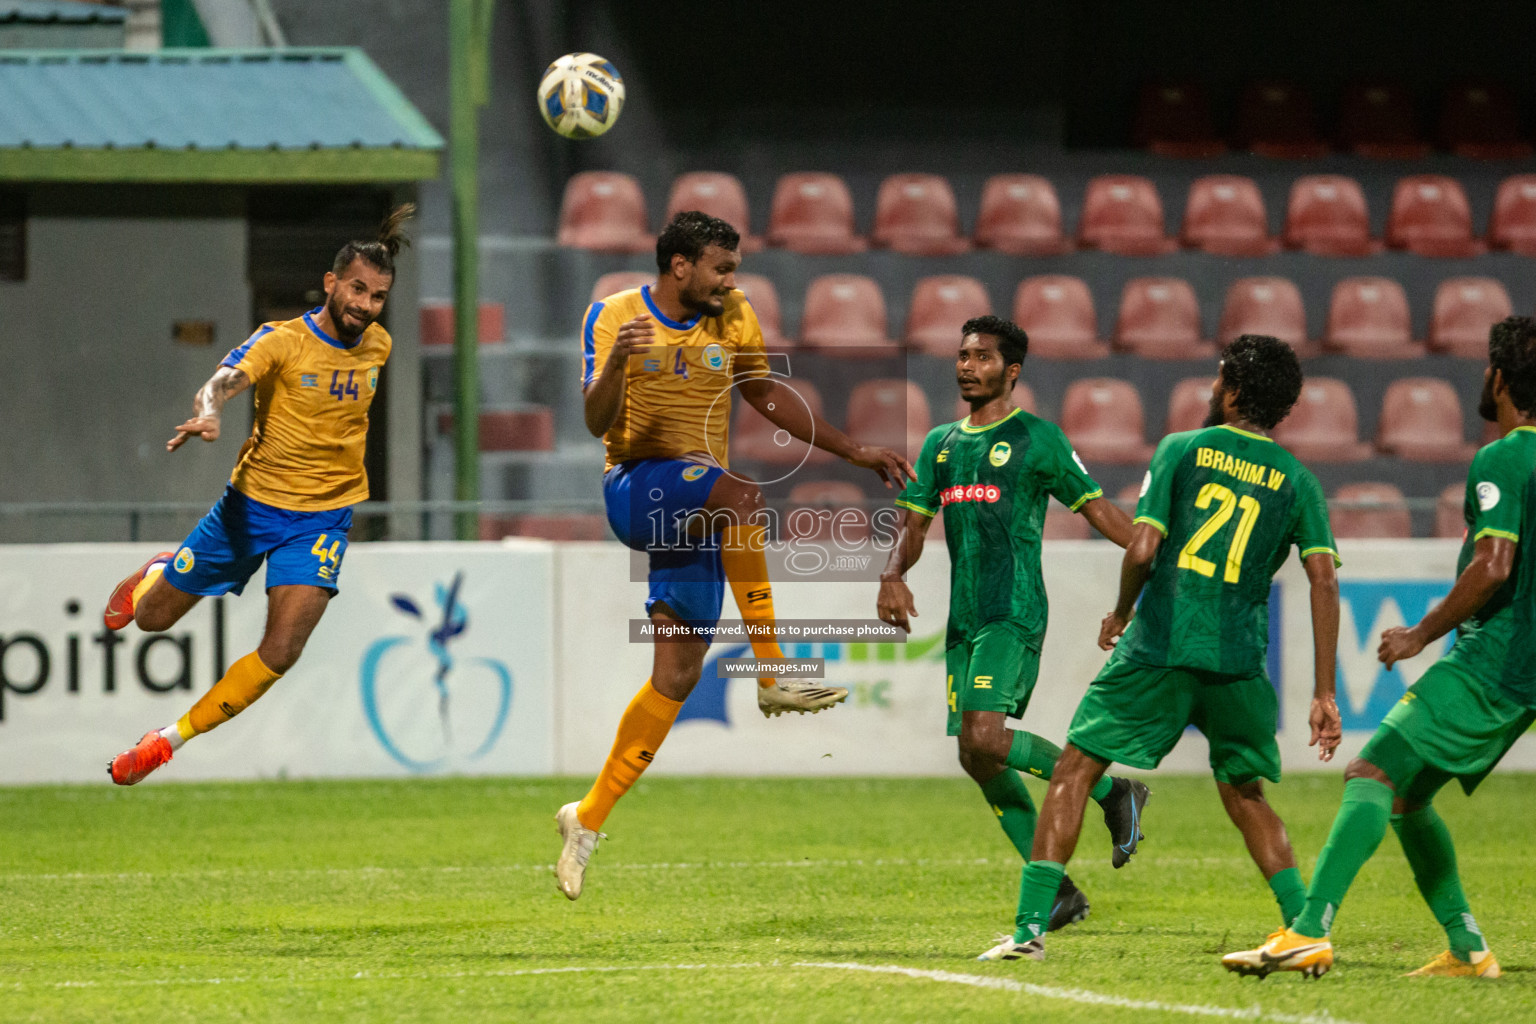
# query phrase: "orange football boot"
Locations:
[[134, 764], [120, 605]]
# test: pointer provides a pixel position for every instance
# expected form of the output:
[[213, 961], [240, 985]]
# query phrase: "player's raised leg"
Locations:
[[125, 597], [292, 614], [675, 668]]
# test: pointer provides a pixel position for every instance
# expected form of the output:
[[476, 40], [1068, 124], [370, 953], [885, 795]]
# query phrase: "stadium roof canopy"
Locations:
[[206, 115], [43, 12]]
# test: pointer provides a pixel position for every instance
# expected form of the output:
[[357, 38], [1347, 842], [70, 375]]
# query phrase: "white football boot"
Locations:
[[1007, 949], [571, 868], [798, 695]]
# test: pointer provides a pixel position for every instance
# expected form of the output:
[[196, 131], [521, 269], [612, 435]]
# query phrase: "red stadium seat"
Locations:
[[1160, 319], [620, 281], [605, 211], [1023, 397], [1104, 420], [813, 213], [564, 526], [1057, 313], [916, 214], [529, 429], [827, 510], [1323, 425], [1368, 511], [755, 439], [1327, 216], [1481, 120], [844, 311], [764, 298], [940, 305], [1188, 405], [1174, 119], [437, 323], [1421, 421], [1274, 119], [1225, 215], [1377, 120], [889, 412], [1465, 307], [1265, 305], [1513, 224], [1123, 214], [1431, 217], [1020, 215], [1061, 523], [1450, 514], [719, 195], [1369, 317]]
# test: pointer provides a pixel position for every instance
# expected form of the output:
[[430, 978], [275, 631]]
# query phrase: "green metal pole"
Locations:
[[468, 86]]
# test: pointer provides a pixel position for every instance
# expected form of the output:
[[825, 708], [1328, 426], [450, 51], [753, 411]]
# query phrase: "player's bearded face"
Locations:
[[1487, 407], [1216, 415], [711, 279], [355, 299]]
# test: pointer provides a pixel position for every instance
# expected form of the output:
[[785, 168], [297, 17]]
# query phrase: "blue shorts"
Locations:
[[648, 501], [227, 546]]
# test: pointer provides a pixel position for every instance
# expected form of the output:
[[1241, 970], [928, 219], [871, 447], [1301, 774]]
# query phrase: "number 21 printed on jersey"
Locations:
[[1248, 506]]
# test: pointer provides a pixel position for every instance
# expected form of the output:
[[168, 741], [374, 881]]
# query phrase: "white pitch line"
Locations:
[[1071, 995], [1081, 995]]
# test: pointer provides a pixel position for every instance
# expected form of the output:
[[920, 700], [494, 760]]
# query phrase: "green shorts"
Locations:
[[1447, 726], [1135, 713], [995, 670]]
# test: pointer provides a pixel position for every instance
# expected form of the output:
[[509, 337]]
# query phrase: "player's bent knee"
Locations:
[[1360, 768], [281, 654]]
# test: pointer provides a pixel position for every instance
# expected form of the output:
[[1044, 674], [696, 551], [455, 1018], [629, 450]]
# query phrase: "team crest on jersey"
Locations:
[[1487, 495], [999, 453], [184, 560], [694, 472], [373, 377], [714, 356]]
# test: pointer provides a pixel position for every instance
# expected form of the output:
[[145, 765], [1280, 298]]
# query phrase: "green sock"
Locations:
[[1289, 893], [1037, 891], [1356, 832], [1015, 811], [1427, 845], [1037, 756]]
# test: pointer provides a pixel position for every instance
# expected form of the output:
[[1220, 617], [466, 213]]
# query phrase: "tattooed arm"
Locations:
[[208, 404]]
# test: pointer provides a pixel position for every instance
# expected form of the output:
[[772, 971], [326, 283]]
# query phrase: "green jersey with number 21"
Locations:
[[1230, 505]]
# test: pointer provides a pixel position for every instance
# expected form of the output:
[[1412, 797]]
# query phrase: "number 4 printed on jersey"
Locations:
[[342, 388]]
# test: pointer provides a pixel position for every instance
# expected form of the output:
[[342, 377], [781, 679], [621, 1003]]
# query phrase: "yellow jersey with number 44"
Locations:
[[313, 392], [677, 399]]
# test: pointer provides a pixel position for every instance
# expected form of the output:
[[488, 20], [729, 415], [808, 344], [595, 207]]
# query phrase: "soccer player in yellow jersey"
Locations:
[[288, 502], [659, 364]]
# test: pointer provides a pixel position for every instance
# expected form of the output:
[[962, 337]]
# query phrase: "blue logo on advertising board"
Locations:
[[1367, 690], [449, 673]]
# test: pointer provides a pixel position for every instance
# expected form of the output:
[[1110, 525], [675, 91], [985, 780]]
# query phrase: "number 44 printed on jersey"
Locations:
[[344, 389]]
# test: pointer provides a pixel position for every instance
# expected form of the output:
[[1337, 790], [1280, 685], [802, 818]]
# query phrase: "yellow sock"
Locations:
[[645, 724], [741, 554], [150, 575], [246, 680]]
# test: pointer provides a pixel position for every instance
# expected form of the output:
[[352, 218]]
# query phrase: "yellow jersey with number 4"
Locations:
[[313, 392], [677, 398]]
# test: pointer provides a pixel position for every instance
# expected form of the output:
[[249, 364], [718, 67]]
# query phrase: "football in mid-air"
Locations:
[[581, 95]]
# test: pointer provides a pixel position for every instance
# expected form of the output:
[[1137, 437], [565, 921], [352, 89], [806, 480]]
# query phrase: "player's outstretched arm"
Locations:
[[604, 397], [1493, 558], [895, 603], [208, 406], [1109, 519], [1324, 714], [1134, 569], [789, 412]]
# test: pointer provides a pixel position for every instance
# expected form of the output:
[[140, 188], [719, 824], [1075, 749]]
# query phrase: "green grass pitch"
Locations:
[[714, 900]]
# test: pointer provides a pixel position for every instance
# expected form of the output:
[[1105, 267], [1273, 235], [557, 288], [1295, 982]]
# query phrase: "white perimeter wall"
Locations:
[[535, 681]]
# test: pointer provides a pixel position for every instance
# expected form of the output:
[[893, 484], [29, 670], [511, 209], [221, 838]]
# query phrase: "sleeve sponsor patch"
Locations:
[[1487, 495], [1146, 484]]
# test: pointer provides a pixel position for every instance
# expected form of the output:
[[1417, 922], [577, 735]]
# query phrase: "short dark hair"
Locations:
[[689, 234], [380, 252], [1012, 342], [1266, 375], [1512, 351]]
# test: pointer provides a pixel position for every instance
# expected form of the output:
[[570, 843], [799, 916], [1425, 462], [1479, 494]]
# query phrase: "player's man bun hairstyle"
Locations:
[[1012, 342], [689, 234], [1266, 375], [1512, 351], [380, 252]]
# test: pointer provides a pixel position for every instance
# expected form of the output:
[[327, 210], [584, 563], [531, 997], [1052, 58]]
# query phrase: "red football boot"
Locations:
[[135, 763], [120, 605]]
